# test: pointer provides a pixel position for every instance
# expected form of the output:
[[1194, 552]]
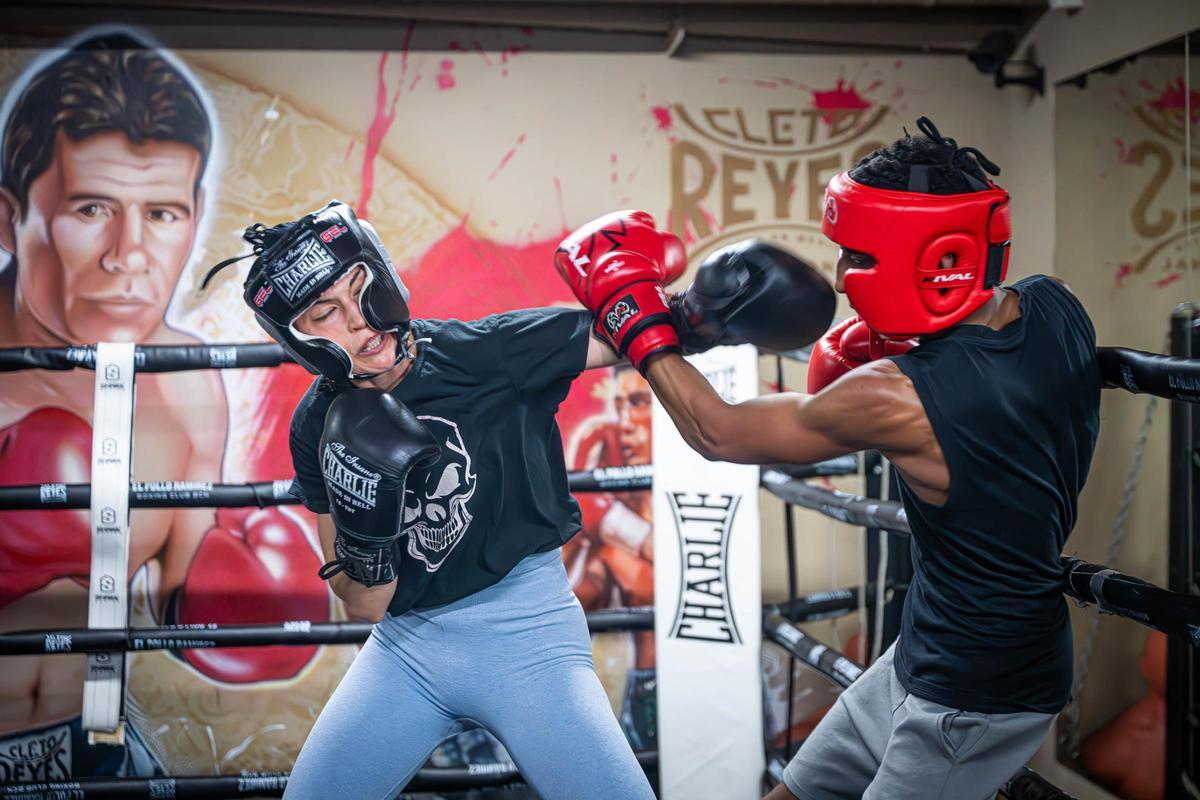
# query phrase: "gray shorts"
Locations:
[[878, 741]]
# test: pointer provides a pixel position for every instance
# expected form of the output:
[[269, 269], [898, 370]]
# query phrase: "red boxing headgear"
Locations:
[[907, 233]]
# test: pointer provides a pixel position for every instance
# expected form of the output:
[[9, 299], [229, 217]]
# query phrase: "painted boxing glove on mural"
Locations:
[[371, 443], [617, 266], [48, 446], [753, 292], [255, 566], [847, 345]]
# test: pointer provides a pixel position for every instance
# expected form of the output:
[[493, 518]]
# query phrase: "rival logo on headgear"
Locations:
[[951, 277]]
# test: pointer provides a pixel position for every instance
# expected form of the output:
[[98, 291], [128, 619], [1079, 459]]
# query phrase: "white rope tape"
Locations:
[[108, 602]]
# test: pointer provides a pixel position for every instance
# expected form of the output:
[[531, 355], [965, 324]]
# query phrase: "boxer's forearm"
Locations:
[[365, 603], [600, 355], [694, 406], [765, 430]]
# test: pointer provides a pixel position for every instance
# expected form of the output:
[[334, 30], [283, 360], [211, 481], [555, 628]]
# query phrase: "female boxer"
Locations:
[[442, 503]]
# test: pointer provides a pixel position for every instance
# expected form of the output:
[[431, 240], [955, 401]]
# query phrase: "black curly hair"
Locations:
[[933, 164]]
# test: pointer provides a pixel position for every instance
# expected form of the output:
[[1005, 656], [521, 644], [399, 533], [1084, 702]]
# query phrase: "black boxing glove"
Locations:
[[370, 443], [753, 292]]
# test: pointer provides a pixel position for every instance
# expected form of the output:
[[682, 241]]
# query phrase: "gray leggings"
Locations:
[[878, 741], [515, 657]]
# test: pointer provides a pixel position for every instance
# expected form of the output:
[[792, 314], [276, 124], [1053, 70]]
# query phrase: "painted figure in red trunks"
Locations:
[[611, 562]]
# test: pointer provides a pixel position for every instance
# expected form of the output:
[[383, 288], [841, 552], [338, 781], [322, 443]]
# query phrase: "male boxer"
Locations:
[[104, 152], [991, 422]]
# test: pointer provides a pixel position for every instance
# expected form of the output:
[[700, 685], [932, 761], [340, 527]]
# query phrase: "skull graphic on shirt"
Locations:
[[435, 500]]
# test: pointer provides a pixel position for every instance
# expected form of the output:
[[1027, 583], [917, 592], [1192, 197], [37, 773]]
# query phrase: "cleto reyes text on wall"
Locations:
[[726, 156]]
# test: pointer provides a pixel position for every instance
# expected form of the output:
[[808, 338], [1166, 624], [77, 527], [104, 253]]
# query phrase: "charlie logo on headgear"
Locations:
[[908, 232], [296, 261]]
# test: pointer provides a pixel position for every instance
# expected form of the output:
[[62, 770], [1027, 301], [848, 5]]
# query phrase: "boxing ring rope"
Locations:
[[200, 494], [1113, 592], [1135, 371], [148, 358]]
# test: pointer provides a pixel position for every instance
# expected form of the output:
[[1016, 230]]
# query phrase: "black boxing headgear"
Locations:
[[297, 261]]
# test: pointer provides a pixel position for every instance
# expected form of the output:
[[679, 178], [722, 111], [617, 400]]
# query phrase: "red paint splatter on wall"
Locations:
[[465, 277], [482, 53], [1167, 281], [506, 51], [507, 157], [1123, 273], [385, 115], [690, 236], [562, 209], [841, 97], [612, 161], [1176, 97], [445, 78], [662, 116], [1124, 151], [408, 34]]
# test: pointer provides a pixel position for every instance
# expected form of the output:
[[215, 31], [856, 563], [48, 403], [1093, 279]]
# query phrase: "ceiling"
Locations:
[[683, 28]]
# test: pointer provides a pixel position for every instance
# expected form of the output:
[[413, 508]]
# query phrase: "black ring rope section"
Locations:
[[1113, 592], [202, 494], [1120, 368]]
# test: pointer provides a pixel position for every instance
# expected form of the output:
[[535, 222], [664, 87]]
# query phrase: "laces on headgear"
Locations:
[[256, 236], [919, 174]]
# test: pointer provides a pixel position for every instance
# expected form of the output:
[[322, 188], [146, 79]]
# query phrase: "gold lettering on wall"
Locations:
[[1166, 218], [685, 203]]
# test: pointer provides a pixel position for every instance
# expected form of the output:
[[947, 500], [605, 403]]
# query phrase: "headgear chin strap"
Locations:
[[297, 261], [907, 233]]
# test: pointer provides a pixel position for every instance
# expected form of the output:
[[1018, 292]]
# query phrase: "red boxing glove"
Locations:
[[255, 566], [49, 445], [617, 266], [847, 345]]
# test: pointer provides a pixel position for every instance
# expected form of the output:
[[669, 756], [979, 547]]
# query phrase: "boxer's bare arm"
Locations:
[[875, 406], [600, 355], [364, 603]]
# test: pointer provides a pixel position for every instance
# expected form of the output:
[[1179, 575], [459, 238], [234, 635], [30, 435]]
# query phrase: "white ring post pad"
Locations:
[[708, 604], [108, 590]]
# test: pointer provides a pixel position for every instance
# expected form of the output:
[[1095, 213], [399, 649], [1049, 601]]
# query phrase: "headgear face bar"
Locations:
[[907, 233]]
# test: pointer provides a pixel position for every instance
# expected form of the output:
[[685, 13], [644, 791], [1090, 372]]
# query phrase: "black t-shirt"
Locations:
[[488, 390], [1016, 412]]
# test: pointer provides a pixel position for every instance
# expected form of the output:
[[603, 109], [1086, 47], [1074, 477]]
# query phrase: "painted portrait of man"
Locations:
[[106, 150]]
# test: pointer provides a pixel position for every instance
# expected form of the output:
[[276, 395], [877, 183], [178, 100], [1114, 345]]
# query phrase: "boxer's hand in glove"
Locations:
[[371, 442]]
